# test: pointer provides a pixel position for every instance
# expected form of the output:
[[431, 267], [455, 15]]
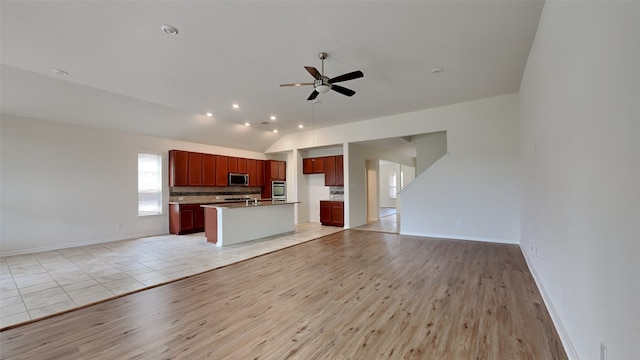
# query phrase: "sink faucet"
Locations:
[[255, 201], [246, 202]]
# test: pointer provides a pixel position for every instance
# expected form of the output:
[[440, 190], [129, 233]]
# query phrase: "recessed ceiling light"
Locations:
[[436, 71], [275, 131], [60, 72], [171, 30], [300, 126], [209, 114], [236, 106], [297, 84], [272, 117], [247, 124]]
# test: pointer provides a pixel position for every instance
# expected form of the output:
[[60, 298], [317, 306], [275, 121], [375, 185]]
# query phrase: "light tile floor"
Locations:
[[389, 223], [40, 284]]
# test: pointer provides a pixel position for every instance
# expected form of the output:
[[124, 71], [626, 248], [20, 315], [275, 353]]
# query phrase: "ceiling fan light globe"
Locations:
[[323, 89]]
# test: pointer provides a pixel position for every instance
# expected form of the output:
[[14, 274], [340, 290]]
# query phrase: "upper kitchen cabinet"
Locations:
[[178, 168], [339, 170], [222, 170], [275, 170], [259, 172], [331, 166], [329, 170], [233, 164], [334, 170], [313, 165], [242, 166], [208, 170], [252, 171], [195, 169]]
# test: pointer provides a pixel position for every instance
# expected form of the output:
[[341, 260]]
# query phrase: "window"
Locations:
[[392, 184], [149, 184]]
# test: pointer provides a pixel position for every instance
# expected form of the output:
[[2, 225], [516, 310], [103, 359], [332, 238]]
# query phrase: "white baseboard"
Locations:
[[564, 336], [455, 237]]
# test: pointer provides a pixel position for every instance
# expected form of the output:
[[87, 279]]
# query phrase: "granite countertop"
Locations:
[[243, 204]]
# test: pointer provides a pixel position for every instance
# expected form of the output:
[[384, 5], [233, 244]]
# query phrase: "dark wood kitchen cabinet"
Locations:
[[178, 168], [275, 170], [339, 170], [313, 165], [185, 218], [330, 171], [222, 170], [332, 213], [208, 170], [252, 171], [233, 164], [195, 169], [242, 166], [331, 166], [260, 172]]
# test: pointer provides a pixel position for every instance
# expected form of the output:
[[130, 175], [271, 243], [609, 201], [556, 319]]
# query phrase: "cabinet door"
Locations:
[[330, 171], [233, 164], [272, 171], [198, 218], [282, 170], [252, 170], [337, 214], [208, 170], [178, 168], [195, 169], [307, 166], [260, 172], [325, 213], [340, 170], [242, 165], [318, 165], [186, 220], [222, 170]]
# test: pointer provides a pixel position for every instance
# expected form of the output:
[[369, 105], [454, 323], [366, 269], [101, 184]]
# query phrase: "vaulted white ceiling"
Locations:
[[126, 74]]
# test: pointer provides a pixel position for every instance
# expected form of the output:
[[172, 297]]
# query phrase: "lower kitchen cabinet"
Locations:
[[332, 213], [185, 218]]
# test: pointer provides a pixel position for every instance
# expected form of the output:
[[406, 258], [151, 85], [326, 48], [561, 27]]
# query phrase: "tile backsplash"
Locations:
[[190, 194]]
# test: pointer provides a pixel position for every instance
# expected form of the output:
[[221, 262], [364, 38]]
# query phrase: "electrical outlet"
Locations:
[[459, 223], [536, 252], [180, 198], [603, 352], [120, 225]]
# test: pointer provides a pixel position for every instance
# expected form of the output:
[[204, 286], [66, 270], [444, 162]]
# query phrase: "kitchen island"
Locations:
[[232, 223]]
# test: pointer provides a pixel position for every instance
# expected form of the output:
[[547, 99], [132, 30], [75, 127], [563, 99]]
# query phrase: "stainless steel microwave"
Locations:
[[236, 179]]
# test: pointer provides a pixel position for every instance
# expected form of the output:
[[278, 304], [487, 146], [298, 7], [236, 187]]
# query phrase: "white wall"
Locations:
[[483, 135], [472, 194], [429, 148], [355, 191], [580, 155], [65, 185]]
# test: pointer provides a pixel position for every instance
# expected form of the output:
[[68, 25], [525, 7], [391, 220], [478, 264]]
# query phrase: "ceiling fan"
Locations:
[[323, 83]]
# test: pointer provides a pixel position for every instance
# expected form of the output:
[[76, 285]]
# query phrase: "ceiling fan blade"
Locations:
[[345, 77], [313, 95], [296, 84], [343, 90], [314, 72]]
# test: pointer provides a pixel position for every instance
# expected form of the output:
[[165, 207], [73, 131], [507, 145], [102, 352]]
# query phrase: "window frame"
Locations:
[[160, 186]]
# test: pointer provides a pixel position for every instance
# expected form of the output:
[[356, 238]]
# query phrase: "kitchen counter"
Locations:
[[243, 204], [235, 222]]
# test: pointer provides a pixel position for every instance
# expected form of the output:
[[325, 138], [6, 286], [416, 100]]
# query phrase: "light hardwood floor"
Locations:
[[349, 295]]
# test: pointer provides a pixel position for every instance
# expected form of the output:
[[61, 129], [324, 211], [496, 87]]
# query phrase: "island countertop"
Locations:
[[226, 224], [250, 204]]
